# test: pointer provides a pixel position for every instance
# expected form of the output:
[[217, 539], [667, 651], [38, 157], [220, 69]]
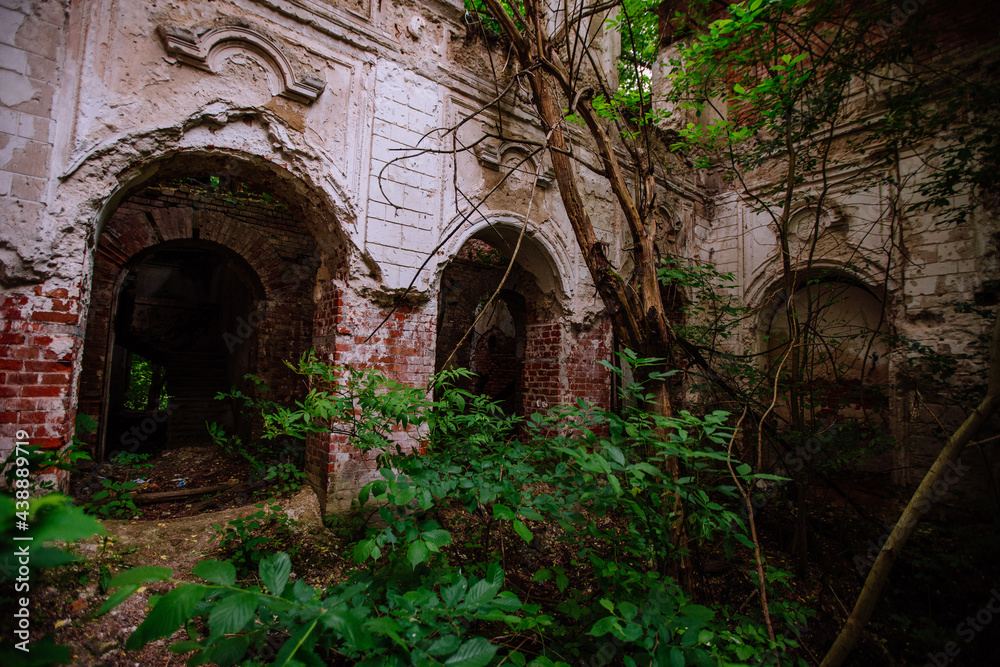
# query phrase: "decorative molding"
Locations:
[[492, 154], [197, 49]]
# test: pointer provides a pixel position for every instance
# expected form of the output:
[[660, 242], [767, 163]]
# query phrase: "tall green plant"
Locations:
[[443, 574]]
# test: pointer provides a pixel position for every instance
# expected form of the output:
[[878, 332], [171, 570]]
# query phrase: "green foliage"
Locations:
[[44, 519], [141, 392], [245, 541], [285, 623], [586, 492], [768, 87], [115, 499], [636, 23], [38, 462]]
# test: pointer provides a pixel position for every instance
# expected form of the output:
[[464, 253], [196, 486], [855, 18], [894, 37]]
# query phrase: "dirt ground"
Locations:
[[172, 470], [177, 543]]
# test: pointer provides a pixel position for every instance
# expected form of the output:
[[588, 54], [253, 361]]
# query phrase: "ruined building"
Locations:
[[217, 186]]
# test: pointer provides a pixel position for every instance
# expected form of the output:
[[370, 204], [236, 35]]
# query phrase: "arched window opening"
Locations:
[[827, 348]]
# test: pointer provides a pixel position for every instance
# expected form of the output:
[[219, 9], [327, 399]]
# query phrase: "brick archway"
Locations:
[[274, 248], [526, 353]]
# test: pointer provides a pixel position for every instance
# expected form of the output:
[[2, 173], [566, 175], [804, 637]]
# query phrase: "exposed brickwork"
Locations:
[[403, 348], [585, 378], [544, 383], [85, 112], [277, 248], [39, 348]]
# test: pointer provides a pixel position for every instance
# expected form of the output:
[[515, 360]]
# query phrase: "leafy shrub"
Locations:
[[115, 499], [600, 486], [43, 519], [277, 458], [355, 621], [247, 540]]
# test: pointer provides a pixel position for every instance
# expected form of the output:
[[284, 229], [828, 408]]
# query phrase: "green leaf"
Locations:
[[229, 651], [300, 640], [445, 645], [481, 591], [676, 657], [303, 592], [743, 469], [616, 454], [274, 572], [476, 652], [436, 538], [232, 613], [347, 626], [507, 601], [216, 571], [362, 550], [141, 575], [185, 646], [55, 518], [453, 594], [522, 530], [169, 613], [117, 598], [603, 626], [417, 553], [529, 513], [503, 512]]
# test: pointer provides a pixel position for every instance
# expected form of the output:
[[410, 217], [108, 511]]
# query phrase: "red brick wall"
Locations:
[[39, 348], [543, 380], [41, 342], [403, 348], [585, 378]]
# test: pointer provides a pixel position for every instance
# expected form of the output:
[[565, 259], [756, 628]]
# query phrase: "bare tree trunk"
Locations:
[[921, 500]]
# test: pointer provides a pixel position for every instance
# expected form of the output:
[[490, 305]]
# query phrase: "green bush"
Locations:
[[31, 526], [433, 588], [115, 499], [246, 540]]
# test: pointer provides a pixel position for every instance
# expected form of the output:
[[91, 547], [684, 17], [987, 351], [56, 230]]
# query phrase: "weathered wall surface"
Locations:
[[922, 277], [321, 104]]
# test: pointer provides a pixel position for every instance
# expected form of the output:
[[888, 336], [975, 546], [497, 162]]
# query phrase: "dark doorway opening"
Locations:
[[185, 324], [486, 336]]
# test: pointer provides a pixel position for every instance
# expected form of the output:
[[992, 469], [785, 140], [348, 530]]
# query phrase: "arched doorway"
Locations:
[[197, 280], [513, 341], [827, 351], [184, 327]]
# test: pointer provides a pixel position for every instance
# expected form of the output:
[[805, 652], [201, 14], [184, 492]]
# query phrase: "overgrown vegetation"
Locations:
[[277, 457], [542, 542], [115, 500]]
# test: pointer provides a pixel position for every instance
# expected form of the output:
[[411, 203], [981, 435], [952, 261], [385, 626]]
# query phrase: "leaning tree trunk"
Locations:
[[634, 304], [879, 574]]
